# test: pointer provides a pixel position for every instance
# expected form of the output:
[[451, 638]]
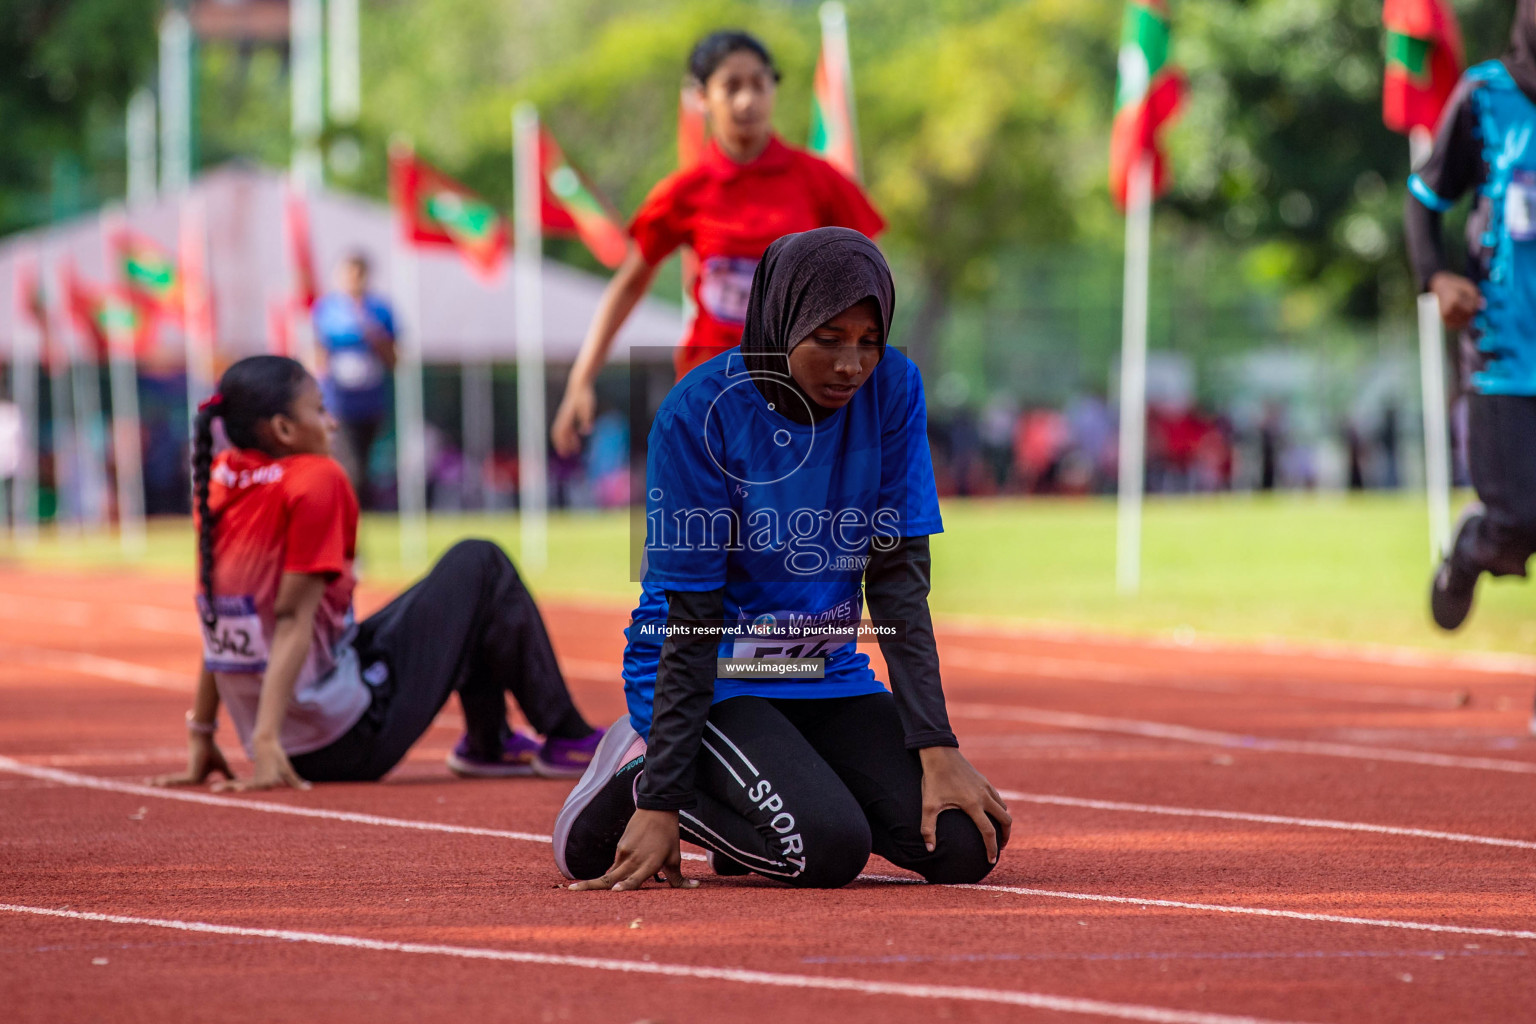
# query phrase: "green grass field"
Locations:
[[1333, 568]]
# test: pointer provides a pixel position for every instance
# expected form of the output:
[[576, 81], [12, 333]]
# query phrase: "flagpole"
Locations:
[[1437, 456], [85, 376], [24, 394], [67, 460], [410, 416], [306, 29], [527, 276], [123, 377], [1133, 376], [834, 32]]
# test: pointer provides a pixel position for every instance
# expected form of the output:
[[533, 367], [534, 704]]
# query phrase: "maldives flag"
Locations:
[[1424, 62], [1147, 96], [436, 210], [105, 316], [834, 135], [149, 275], [301, 251], [571, 207], [692, 135]]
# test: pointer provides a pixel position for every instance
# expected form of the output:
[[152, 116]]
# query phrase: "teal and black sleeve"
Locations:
[[1455, 165]]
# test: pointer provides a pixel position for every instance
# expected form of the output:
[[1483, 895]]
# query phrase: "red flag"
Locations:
[[31, 303], [279, 336], [1147, 96], [692, 135], [436, 210], [570, 206], [85, 303], [301, 253], [1424, 62], [148, 275]]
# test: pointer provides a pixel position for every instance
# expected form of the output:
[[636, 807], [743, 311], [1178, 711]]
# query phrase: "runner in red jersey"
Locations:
[[748, 189], [314, 695]]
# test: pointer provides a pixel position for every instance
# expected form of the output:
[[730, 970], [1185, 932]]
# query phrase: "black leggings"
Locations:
[[468, 627], [803, 790], [1501, 440]]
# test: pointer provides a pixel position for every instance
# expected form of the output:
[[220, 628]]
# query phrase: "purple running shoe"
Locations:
[[567, 759], [517, 756]]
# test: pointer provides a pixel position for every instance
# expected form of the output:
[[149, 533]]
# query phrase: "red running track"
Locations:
[[1200, 835]]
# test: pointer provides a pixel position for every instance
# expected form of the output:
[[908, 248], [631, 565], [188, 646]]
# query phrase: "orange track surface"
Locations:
[[127, 905]]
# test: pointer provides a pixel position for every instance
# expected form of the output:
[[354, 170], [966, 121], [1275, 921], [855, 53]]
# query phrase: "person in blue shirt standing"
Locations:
[[1486, 144], [355, 329], [787, 481]]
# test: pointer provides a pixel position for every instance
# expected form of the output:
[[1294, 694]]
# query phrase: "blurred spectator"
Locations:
[[355, 330]]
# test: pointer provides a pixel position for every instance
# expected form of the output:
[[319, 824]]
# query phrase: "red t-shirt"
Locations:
[[274, 516], [728, 214]]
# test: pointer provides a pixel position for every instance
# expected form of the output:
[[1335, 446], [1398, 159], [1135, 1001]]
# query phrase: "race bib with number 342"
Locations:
[[235, 642]]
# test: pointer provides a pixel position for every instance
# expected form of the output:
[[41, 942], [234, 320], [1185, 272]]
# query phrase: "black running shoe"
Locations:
[[1450, 595], [594, 817]]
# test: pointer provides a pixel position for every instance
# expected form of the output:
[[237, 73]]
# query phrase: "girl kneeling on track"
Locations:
[[779, 477], [313, 695]]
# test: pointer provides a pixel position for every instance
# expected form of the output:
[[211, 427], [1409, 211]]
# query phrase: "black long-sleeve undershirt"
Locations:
[[896, 589], [1454, 166]]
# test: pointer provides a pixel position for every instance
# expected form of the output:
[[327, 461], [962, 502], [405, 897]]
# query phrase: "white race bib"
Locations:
[[235, 642], [725, 285], [1520, 206], [796, 634], [354, 371]]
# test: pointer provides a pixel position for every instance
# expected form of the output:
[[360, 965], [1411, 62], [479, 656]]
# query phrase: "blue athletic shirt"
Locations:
[[1487, 142], [356, 382], [781, 515]]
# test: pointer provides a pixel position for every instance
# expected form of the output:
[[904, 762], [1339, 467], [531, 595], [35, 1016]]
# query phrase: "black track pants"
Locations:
[[803, 790], [1501, 440], [468, 627]]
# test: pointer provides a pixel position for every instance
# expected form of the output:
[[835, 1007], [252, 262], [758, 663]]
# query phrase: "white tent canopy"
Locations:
[[462, 316]]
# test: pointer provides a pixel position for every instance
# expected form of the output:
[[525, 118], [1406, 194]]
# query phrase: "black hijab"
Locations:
[[1521, 58], [802, 281]]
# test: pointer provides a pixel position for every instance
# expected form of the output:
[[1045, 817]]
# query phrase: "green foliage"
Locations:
[[67, 68]]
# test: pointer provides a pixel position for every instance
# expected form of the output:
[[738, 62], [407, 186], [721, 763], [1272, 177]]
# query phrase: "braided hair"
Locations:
[[251, 391]]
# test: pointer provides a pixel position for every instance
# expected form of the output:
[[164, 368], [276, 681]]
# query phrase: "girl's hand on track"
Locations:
[[949, 780], [204, 758], [573, 420], [650, 844], [272, 771], [1459, 298]]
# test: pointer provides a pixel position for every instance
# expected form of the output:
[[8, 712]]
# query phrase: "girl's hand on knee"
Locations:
[[649, 845], [950, 781], [272, 771], [203, 759]]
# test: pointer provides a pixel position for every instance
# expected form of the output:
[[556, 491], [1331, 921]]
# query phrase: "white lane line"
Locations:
[[1263, 819], [737, 975], [209, 800], [1119, 673], [65, 612], [110, 785], [115, 669], [1223, 908], [1211, 737], [1489, 662]]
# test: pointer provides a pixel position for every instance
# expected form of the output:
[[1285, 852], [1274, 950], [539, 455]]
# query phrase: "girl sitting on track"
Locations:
[[779, 477], [747, 189], [313, 695]]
